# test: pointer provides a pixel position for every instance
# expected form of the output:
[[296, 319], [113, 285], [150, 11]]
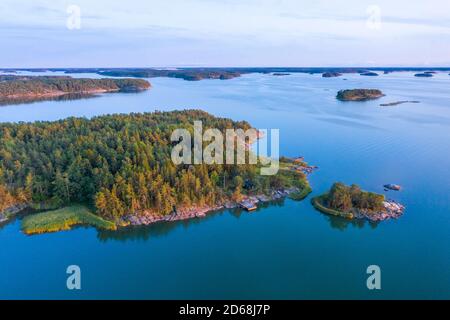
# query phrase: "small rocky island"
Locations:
[[40, 87], [423, 75], [359, 94], [353, 203], [331, 74], [369, 74]]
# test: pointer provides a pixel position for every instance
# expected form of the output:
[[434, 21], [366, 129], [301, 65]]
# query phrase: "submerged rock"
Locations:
[[397, 103]]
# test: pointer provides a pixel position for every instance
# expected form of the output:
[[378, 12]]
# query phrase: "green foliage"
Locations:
[[302, 194], [48, 85], [344, 198], [319, 204], [120, 164], [359, 94], [63, 219], [186, 74], [11, 198]]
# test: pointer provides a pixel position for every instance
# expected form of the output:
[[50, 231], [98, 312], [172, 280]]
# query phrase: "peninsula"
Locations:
[[353, 203], [116, 170], [40, 87]]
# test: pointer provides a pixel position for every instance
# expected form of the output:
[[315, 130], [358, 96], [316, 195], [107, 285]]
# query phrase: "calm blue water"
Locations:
[[287, 250]]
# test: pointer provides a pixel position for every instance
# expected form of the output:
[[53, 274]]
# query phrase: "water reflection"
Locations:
[[17, 217], [161, 229], [342, 224], [64, 97]]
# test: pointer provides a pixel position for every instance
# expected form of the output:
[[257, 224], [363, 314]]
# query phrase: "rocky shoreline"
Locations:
[[10, 212], [359, 94], [393, 210], [150, 217]]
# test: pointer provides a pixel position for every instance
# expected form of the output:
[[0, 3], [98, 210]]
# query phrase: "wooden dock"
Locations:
[[248, 205]]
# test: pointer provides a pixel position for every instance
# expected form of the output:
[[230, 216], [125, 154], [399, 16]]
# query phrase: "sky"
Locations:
[[175, 33]]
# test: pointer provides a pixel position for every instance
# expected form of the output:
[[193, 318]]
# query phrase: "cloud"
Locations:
[[243, 29]]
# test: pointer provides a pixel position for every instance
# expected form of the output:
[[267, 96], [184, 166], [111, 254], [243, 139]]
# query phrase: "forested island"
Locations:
[[193, 74], [351, 202], [114, 170], [359, 94], [424, 75], [23, 88], [331, 74], [185, 74], [369, 74]]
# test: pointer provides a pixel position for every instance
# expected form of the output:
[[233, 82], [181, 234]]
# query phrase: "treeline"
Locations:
[[119, 163], [186, 74], [345, 198], [20, 86], [10, 198], [12, 77]]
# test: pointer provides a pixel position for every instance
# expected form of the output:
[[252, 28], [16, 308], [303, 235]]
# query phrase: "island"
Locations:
[[359, 94], [331, 74], [185, 74], [280, 74], [423, 75], [369, 74], [195, 74], [40, 87], [115, 170], [351, 202]]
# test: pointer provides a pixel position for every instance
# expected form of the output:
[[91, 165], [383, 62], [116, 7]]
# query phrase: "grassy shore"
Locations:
[[302, 194], [291, 177], [317, 202], [63, 219]]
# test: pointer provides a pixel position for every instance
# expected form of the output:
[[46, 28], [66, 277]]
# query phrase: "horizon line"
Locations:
[[233, 67]]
